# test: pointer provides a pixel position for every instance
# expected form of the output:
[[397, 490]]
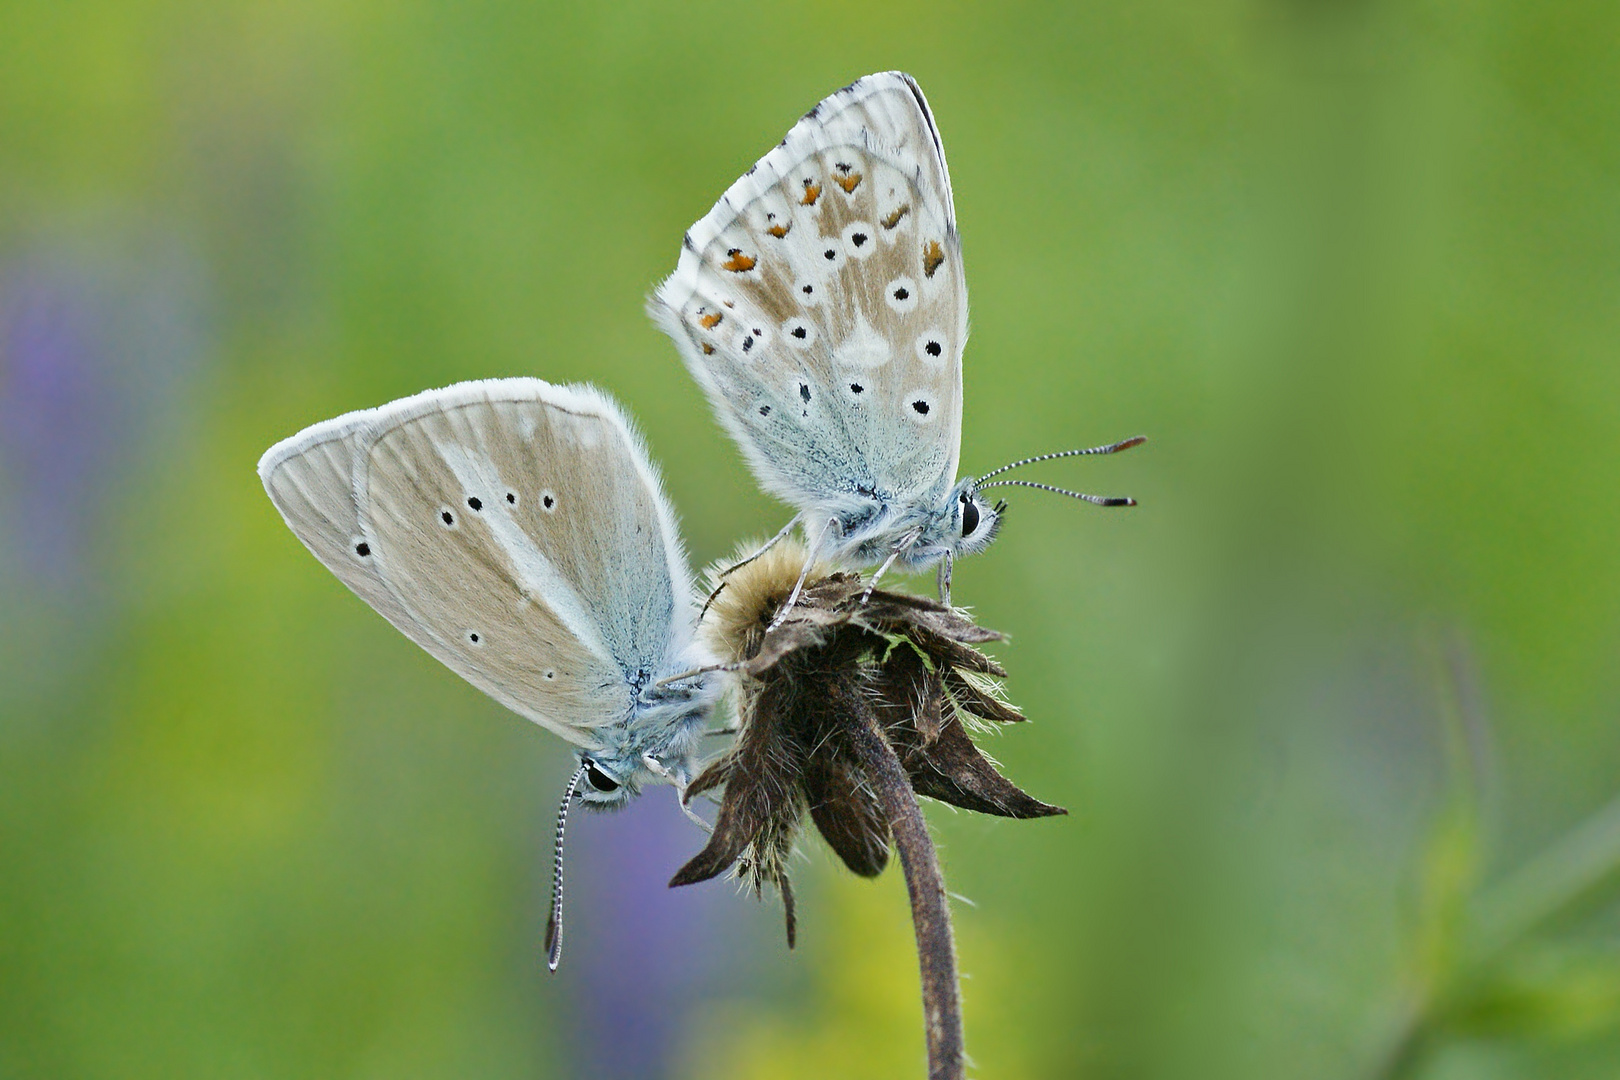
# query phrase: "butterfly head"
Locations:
[[658, 745], [961, 523], [611, 780], [972, 520]]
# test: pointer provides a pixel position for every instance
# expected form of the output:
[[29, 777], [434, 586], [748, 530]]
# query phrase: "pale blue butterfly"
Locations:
[[822, 307], [519, 533]]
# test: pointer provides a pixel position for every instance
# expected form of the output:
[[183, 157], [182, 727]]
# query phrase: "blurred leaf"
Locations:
[[1548, 992], [1575, 870]]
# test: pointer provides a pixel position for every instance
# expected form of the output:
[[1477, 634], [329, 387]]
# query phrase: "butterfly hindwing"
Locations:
[[520, 536], [821, 304]]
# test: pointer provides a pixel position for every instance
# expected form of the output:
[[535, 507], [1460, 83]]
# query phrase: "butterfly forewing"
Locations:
[[522, 539], [822, 305], [310, 479]]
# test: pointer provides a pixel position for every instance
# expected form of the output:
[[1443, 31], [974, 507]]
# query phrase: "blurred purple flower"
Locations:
[[93, 350], [59, 418], [96, 345], [640, 954]]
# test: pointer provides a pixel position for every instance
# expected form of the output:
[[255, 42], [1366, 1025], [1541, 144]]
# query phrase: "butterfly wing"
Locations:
[[822, 307], [515, 530]]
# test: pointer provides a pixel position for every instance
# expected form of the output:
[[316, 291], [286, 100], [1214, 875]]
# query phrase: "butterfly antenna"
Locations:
[[554, 924], [1111, 448], [1095, 500]]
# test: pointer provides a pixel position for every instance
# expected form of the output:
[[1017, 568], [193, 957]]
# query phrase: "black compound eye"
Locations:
[[598, 779], [970, 516]]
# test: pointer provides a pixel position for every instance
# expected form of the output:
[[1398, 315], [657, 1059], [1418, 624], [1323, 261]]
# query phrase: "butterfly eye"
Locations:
[[600, 780], [970, 516]]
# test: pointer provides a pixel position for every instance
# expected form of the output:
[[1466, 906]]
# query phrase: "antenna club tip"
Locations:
[[1134, 440], [553, 944]]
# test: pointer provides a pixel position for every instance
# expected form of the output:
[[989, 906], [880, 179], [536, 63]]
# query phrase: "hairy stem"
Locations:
[[930, 912]]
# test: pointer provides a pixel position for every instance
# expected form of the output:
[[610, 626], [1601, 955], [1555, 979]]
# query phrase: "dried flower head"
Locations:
[[812, 691]]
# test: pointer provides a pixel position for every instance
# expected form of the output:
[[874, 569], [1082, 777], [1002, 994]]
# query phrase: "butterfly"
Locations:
[[822, 307], [519, 533]]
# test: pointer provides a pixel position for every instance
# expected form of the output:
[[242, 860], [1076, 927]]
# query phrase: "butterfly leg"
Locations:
[[772, 542], [680, 796], [945, 566], [659, 769], [694, 673], [728, 571], [899, 549], [809, 562]]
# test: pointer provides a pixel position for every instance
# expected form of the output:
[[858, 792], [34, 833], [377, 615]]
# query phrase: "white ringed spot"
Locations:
[[932, 347], [901, 295], [920, 406], [859, 238]]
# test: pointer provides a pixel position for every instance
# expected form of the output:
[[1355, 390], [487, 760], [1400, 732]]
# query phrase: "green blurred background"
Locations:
[[1335, 708]]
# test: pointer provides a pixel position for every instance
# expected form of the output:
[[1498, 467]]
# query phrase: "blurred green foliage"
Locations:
[[1354, 266]]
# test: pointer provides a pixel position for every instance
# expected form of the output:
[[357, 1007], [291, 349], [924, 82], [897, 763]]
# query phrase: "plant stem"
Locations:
[[930, 912]]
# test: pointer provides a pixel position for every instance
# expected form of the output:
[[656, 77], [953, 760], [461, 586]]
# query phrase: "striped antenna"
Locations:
[[1111, 448], [1095, 500], [554, 924]]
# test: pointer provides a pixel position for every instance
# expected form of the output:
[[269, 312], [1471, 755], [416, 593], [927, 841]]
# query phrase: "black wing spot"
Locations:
[[858, 239], [830, 254], [748, 342], [473, 638], [475, 503], [933, 348], [549, 501], [447, 517], [808, 289], [800, 332], [856, 388], [804, 392], [920, 406], [362, 549], [764, 410], [511, 498], [902, 293]]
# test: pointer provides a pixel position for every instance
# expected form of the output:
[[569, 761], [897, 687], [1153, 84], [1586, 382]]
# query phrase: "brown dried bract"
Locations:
[[902, 665]]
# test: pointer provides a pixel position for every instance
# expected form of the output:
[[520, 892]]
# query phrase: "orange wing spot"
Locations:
[[738, 262], [894, 219], [812, 192], [848, 183], [933, 256], [779, 231], [708, 350], [710, 321]]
